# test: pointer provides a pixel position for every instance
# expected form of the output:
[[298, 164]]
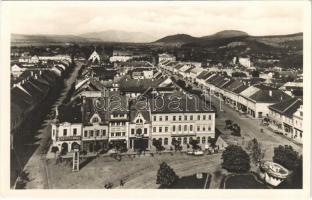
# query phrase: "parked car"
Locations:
[[198, 153], [190, 153]]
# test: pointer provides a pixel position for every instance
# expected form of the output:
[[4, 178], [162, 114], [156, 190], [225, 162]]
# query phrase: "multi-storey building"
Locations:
[[284, 118], [181, 117], [298, 124], [166, 57]]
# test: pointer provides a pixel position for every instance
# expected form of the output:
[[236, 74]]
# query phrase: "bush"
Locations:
[[286, 156], [235, 159], [166, 176]]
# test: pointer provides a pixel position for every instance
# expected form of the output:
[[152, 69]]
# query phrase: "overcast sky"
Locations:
[[157, 19]]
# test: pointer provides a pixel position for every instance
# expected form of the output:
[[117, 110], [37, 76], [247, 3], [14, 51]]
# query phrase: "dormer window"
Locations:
[[139, 121], [95, 119]]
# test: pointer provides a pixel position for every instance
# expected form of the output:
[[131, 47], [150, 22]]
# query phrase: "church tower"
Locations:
[[95, 58]]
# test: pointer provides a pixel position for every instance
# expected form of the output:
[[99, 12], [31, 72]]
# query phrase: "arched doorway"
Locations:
[[75, 145], [64, 147]]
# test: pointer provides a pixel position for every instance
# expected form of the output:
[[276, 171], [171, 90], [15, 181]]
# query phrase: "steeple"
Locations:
[[94, 57]]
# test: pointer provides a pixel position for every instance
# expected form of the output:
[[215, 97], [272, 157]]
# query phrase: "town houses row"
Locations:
[[255, 97], [30, 86], [102, 118]]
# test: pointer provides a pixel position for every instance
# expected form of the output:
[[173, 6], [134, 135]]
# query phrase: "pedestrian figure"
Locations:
[[121, 182]]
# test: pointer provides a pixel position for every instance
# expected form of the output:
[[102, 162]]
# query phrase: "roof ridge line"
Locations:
[[290, 105]]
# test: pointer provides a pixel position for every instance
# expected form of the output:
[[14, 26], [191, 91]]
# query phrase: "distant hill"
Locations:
[[44, 39], [178, 39], [233, 39], [119, 36], [104, 36]]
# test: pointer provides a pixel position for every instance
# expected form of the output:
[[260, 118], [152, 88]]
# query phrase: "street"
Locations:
[[250, 128], [34, 165]]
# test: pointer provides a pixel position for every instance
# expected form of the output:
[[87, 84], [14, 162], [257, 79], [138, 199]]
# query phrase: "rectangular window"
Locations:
[[97, 133], [132, 131], [160, 118], [185, 127], [191, 117], [204, 117], [104, 132], [173, 128], [123, 133], [209, 128], [112, 134], [204, 128], [209, 117], [166, 118], [145, 130], [74, 131], [166, 129], [160, 129], [64, 132], [154, 129], [185, 117], [198, 117], [174, 118], [180, 118], [180, 128], [85, 133], [198, 128], [191, 127], [91, 133], [155, 118]]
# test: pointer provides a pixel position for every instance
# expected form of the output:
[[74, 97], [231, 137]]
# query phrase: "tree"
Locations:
[[176, 144], [212, 142], [166, 176], [297, 174], [235, 159], [256, 151], [228, 123], [236, 130], [158, 145], [286, 156], [194, 144], [54, 149]]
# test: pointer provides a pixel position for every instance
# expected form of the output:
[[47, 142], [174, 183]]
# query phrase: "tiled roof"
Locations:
[[141, 107], [70, 113], [287, 107], [138, 85], [233, 85], [240, 89], [178, 103], [94, 105], [265, 94]]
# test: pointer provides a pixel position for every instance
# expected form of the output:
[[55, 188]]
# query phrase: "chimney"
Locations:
[[270, 93], [56, 112]]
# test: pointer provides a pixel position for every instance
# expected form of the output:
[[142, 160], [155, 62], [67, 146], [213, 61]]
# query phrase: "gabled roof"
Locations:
[[141, 107], [178, 102], [240, 89], [94, 105], [203, 75], [233, 84], [287, 107], [70, 113], [138, 85], [264, 94]]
